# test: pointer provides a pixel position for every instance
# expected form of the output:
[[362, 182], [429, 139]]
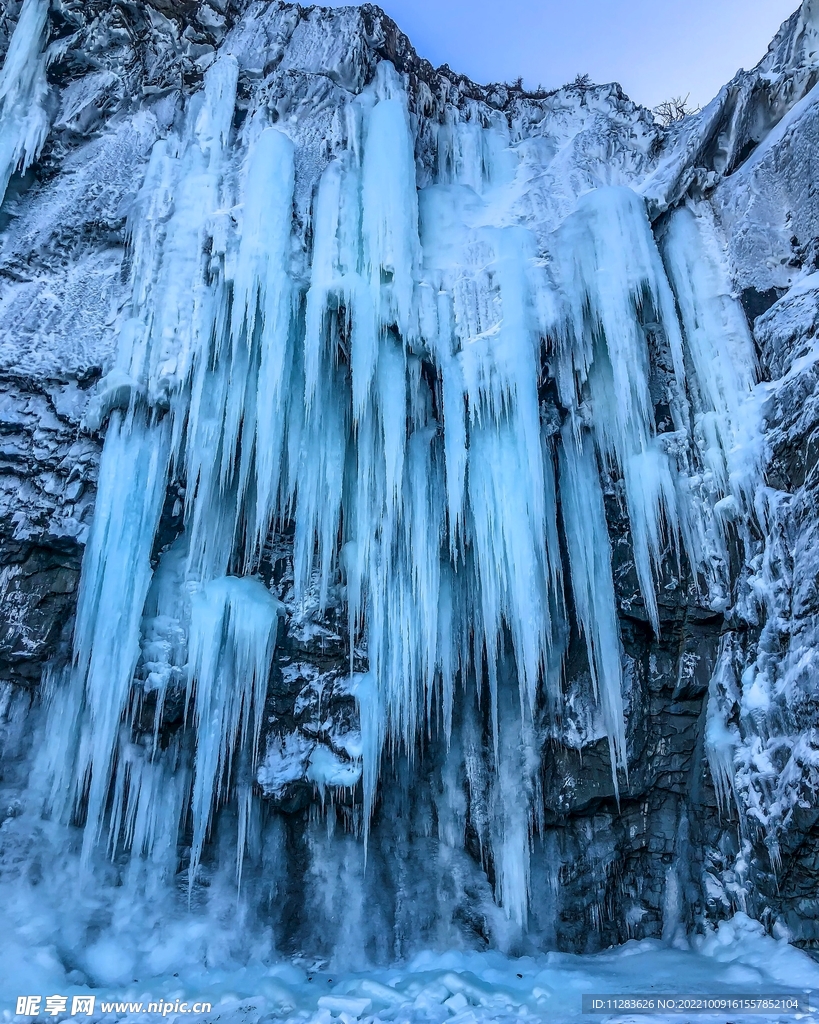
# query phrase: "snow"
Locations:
[[736, 958]]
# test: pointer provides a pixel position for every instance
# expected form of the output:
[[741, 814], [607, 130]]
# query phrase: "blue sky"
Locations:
[[655, 48]]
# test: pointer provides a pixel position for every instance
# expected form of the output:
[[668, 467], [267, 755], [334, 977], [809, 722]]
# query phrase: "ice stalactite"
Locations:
[[339, 323], [480, 315], [165, 629], [149, 803], [589, 551], [371, 720], [263, 312], [231, 643], [721, 737], [241, 379], [511, 523], [171, 303], [725, 414], [23, 90], [116, 578], [395, 520], [467, 153], [616, 286], [389, 197], [177, 241], [364, 383], [515, 804], [720, 348]]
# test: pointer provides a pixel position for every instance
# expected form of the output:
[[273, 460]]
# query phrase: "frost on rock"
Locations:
[[434, 444]]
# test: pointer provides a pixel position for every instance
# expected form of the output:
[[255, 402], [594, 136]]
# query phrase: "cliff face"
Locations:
[[658, 765]]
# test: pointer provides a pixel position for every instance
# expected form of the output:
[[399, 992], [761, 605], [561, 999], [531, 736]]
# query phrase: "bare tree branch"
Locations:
[[670, 111]]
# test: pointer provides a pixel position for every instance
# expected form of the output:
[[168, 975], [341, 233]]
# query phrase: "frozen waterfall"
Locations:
[[441, 411]]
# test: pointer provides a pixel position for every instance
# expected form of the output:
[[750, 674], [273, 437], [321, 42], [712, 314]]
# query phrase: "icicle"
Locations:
[[232, 639], [262, 304], [173, 306], [150, 799], [721, 351], [499, 480], [339, 299], [467, 154], [393, 414], [178, 304], [222, 390], [513, 562], [403, 586], [390, 207], [340, 334], [372, 720], [589, 550], [448, 645], [165, 625], [320, 483], [23, 91], [116, 575], [722, 739], [391, 385], [616, 287], [212, 504], [453, 387], [514, 792]]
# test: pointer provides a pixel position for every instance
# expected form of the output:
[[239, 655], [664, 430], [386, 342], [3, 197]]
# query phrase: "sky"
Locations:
[[655, 49]]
